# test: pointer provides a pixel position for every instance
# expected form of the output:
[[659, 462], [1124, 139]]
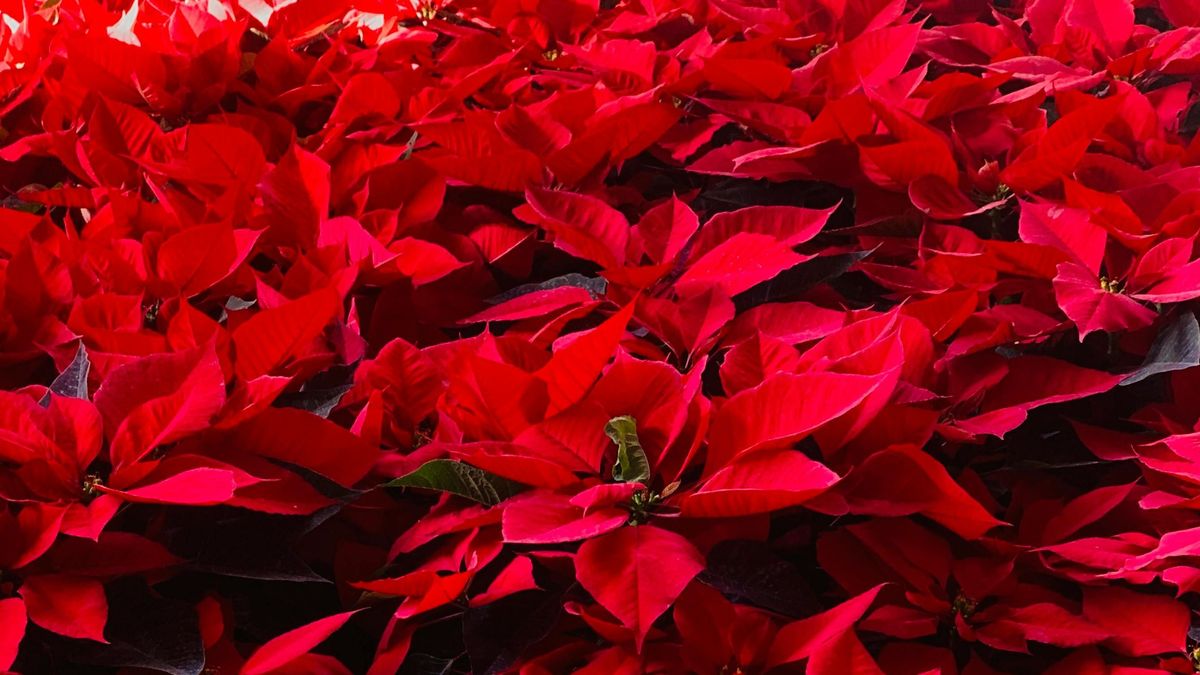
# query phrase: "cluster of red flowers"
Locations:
[[718, 336]]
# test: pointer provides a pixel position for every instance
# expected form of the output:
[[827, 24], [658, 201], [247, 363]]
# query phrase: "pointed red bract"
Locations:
[[817, 636], [781, 410], [12, 630], [551, 519], [759, 482], [160, 399], [582, 225], [270, 337], [904, 480], [1140, 624], [72, 606], [296, 437], [285, 649], [739, 263], [201, 486], [1095, 308], [576, 365], [637, 572], [1110, 21]]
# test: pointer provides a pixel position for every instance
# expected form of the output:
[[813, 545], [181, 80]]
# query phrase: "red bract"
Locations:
[[346, 336]]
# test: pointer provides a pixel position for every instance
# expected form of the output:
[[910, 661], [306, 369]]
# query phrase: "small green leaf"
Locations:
[[1177, 347], [408, 148], [464, 480], [632, 465]]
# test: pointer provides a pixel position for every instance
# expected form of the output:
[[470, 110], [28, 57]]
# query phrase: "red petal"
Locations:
[[196, 487], [68, 605], [575, 366], [789, 225], [904, 480], [552, 519], [198, 257], [740, 262], [12, 630], [271, 337], [582, 225], [665, 229], [1069, 230], [1092, 308], [517, 577], [760, 482], [304, 439], [423, 261], [637, 572], [1140, 624], [805, 638], [782, 410], [293, 644], [160, 399]]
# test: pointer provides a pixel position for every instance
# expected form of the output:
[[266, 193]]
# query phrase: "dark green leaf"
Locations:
[[245, 545], [632, 465], [496, 634], [750, 572], [73, 381], [596, 286], [235, 303], [145, 631], [464, 480], [321, 394], [793, 283], [1176, 348]]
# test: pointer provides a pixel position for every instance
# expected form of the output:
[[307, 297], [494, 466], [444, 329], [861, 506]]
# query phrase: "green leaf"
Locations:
[[464, 480], [1177, 347], [408, 148], [632, 465]]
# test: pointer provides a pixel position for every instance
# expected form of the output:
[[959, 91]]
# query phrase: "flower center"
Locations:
[[964, 606], [91, 484], [427, 12]]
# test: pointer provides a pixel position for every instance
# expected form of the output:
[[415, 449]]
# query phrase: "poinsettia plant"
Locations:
[[599, 336]]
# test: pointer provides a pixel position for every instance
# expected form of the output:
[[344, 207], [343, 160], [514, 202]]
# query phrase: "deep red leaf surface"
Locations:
[[634, 336]]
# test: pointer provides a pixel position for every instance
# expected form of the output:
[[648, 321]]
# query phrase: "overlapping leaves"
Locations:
[[848, 337]]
